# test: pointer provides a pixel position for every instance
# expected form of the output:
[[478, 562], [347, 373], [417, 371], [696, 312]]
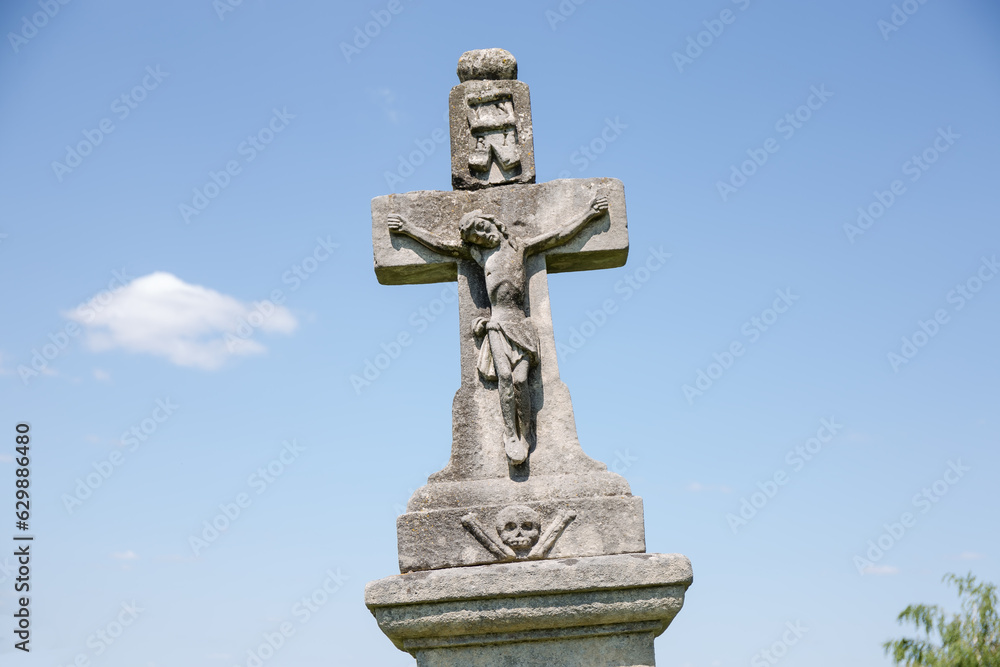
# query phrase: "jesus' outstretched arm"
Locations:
[[597, 208], [397, 225]]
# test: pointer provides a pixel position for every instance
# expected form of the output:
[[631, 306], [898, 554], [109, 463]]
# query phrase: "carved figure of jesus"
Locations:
[[510, 343]]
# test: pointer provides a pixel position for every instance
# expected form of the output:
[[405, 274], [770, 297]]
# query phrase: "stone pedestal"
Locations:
[[601, 611]]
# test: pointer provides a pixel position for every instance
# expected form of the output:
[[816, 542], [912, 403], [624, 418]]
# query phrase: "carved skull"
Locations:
[[518, 527]]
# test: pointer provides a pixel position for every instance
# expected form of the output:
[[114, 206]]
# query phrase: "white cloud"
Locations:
[[125, 555], [101, 374], [970, 555], [190, 325], [881, 570]]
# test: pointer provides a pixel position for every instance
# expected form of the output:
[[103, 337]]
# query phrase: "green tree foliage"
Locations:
[[969, 639]]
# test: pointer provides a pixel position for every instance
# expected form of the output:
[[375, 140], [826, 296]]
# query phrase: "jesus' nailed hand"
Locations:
[[510, 343]]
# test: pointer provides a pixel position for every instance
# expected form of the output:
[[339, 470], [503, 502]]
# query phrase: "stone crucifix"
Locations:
[[509, 348], [499, 235], [522, 549]]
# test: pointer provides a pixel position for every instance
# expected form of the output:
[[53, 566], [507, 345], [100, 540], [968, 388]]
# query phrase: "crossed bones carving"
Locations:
[[518, 533]]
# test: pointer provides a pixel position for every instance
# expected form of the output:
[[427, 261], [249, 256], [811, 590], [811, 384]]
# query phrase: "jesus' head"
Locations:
[[483, 230]]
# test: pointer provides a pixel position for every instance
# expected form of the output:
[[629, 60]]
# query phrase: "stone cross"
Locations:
[[522, 550], [499, 236]]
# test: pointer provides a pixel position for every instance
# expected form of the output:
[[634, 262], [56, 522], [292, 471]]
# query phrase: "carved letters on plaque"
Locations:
[[493, 131]]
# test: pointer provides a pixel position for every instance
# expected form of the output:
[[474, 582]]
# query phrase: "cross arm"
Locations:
[[398, 225], [423, 247], [557, 237], [599, 240]]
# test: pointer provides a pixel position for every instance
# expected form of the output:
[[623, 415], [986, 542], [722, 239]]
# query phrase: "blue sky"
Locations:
[[215, 171]]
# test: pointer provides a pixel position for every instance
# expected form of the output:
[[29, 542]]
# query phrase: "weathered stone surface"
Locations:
[[490, 112], [516, 579], [491, 135], [506, 614], [437, 539], [625, 645], [441, 494], [487, 64]]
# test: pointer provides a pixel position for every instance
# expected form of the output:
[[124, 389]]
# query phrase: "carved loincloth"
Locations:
[[520, 341]]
